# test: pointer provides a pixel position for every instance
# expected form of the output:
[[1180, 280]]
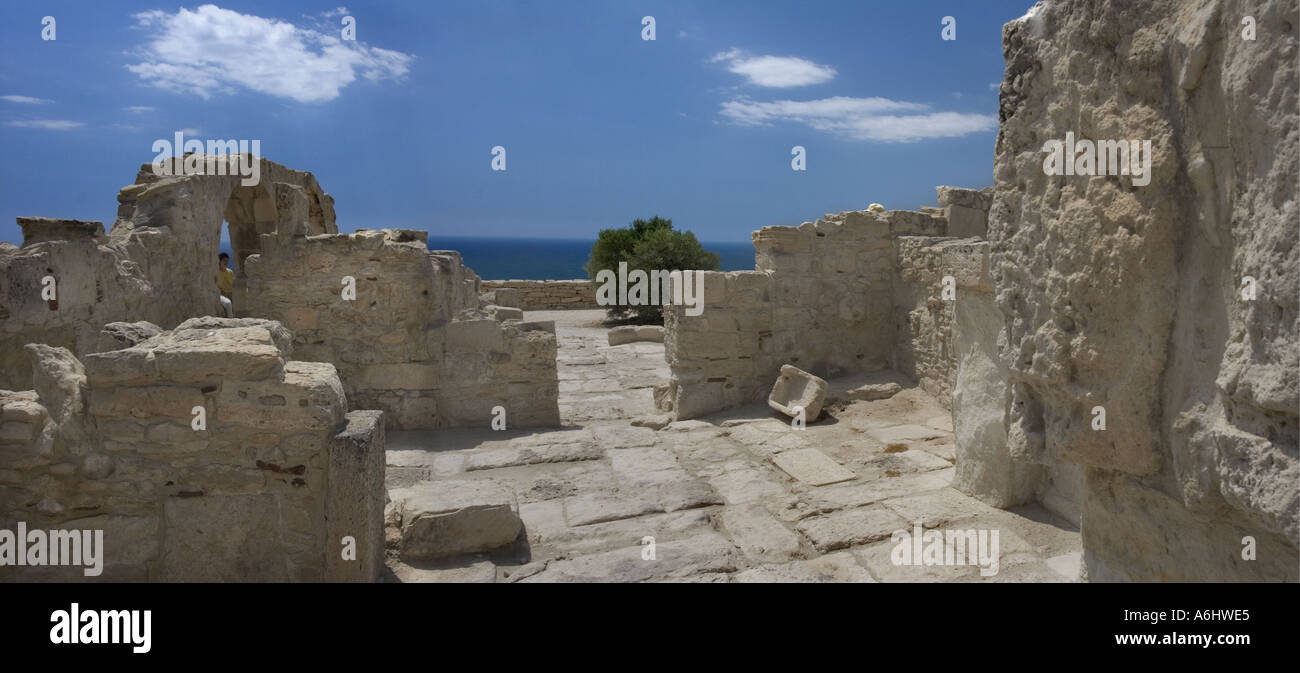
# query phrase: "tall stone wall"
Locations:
[[158, 263], [412, 342], [264, 488], [1129, 296], [544, 295]]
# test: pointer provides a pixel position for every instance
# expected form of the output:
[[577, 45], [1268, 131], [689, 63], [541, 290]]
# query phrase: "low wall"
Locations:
[[822, 299], [265, 488], [411, 342], [543, 295]]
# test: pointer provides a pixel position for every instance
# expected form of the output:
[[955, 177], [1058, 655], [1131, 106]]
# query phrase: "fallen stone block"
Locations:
[[448, 518], [622, 335], [798, 388], [632, 333]]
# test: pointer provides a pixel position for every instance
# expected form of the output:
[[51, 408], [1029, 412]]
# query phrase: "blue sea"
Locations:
[[551, 258], [554, 258]]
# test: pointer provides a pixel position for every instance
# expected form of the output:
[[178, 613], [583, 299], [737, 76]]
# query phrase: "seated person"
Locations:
[[226, 284]]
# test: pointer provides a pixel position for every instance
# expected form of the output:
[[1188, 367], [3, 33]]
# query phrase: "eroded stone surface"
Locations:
[[704, 500]]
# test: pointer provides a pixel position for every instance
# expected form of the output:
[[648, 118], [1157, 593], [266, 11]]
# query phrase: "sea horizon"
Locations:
[[500, 258]]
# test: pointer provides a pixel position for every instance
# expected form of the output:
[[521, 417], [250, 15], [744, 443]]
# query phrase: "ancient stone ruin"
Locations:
[[137, 415], [414, 342], [203, 453], [1077, 296], [1117, 351]]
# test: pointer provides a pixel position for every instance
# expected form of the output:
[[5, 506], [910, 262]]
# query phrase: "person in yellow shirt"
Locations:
[[226, 284]]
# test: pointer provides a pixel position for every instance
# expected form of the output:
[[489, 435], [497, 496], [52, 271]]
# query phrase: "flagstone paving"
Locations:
[[739, 496]]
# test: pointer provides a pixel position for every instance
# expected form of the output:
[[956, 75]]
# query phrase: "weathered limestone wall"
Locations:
[[979, 391], [820, 299], [412, 343], [266, 489], [719, 357], [543, 295], [157, 264], [923, 318], [1129, 296]]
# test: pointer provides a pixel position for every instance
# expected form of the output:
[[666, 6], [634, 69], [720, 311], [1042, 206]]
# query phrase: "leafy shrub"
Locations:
[[647, 245]]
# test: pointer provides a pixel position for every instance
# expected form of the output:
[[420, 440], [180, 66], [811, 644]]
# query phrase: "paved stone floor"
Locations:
[[739, 496]]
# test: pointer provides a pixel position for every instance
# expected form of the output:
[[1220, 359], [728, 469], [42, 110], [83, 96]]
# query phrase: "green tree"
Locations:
[[647, 245]]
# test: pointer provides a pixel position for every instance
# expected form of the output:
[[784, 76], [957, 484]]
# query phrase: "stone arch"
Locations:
[[157, 264], [171, 225]]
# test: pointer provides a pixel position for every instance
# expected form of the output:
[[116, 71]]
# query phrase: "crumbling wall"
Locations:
[[923, 314], [545, 295], [1129, 296], [820, 299], [158, 263], [64, 283], [203, 453], [980, 396], [410, 340]]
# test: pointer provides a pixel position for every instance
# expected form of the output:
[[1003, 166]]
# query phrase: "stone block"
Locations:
[[760, 537], [964, 222], [45, 229], [851, 527], [622, 335], [507, 296], [354, 499], [449, 518], [797, 388], [398, 376], [222, 538], [812, 467], [502, 313]]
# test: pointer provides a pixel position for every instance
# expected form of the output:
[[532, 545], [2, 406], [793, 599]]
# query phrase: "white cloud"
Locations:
[[191, 132], [774, 71], [337, 11], [140, 108], [212, 50], [878, 119], [47, 124], [27, 100], [995, 86]]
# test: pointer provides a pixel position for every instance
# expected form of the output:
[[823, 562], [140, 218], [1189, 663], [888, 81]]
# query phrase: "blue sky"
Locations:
[[600, 126]]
